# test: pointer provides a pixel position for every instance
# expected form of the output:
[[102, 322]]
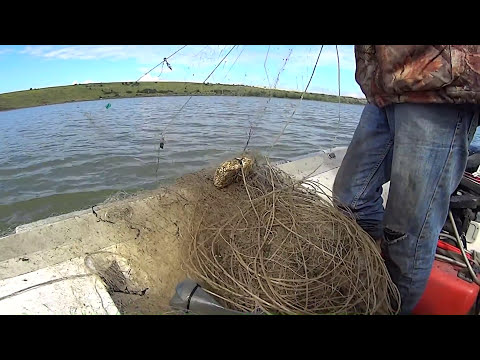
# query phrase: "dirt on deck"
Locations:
[[142, 273]]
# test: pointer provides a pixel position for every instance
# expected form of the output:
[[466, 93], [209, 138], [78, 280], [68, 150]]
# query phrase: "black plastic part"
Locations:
[[464, 201]]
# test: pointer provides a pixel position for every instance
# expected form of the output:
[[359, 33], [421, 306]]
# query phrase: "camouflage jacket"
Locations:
[[419, 73]]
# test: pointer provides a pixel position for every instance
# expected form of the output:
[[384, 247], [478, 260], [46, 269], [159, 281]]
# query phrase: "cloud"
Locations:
[[84, 82], [323, 90], [358, 94], [82, 52], [36, 50], [301, 57], [208, 56], [5, 51], [149, 77], [142, 53], [297, 61]]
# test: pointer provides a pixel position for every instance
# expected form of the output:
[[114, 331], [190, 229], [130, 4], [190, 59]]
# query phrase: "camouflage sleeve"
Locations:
[[419, 73]]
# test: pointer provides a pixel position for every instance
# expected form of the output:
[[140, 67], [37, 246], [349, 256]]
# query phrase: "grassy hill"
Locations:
[[115, 90]]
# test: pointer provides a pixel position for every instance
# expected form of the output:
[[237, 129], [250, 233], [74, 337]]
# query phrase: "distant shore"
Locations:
[[118, 90]]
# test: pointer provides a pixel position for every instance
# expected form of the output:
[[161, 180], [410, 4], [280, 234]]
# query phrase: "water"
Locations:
[[60, 158]]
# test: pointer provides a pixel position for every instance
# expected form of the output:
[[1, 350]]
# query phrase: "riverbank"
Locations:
[[117, 90]]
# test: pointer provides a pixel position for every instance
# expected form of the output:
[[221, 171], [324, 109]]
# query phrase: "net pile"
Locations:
[[270, 244]]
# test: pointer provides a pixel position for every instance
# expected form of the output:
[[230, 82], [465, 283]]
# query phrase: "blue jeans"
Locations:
[[422, 150]]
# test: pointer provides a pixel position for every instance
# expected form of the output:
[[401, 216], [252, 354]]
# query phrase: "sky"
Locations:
[[286, 67]]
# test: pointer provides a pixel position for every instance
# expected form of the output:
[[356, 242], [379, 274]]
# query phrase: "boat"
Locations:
[[46, 266]]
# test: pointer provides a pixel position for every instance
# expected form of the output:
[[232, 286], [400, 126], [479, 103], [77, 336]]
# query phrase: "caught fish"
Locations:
[[231, 170]]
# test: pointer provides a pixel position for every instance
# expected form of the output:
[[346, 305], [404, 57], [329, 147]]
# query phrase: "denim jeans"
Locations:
[[422, 150]]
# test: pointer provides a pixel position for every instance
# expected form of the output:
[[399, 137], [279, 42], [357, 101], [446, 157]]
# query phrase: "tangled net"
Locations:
[[271, 244]]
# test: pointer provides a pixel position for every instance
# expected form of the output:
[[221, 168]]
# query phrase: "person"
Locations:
[[414, 131]]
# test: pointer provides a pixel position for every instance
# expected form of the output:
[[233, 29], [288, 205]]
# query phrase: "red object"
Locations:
[[470, 176], [446, 246], [446, 293]]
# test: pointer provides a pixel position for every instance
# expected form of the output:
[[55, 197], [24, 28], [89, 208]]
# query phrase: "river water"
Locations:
[[59, 158]]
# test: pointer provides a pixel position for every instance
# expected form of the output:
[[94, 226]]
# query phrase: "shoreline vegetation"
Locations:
[[118, 90]]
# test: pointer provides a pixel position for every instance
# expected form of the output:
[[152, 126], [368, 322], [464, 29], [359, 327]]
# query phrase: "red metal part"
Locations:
[[446, 246], [471, 177], [446, 293]]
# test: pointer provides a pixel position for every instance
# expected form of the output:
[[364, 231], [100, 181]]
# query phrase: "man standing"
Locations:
[[414, 132]]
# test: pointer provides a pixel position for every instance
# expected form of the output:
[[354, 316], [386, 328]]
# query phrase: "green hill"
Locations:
[[115, 90]]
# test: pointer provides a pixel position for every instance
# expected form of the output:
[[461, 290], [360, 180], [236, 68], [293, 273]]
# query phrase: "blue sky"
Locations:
[[287, 67]]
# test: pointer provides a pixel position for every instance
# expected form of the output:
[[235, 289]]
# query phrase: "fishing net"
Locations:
[[254, 238], [269, 243]]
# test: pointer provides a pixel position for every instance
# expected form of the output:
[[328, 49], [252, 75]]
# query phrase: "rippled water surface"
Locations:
[[60, 158]]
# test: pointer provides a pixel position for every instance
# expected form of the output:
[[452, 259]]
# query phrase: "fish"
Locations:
[[231, 171]]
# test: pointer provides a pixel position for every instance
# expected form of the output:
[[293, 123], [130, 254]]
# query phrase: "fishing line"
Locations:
[[186, 102], [271, 94], [161, 71], [295, 109], [161, 63], [201, 51], [265, 66], [331, 155], [233, 47], [279, 73], [233, 63], [338, 122], [220, 53], [162, 135]]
